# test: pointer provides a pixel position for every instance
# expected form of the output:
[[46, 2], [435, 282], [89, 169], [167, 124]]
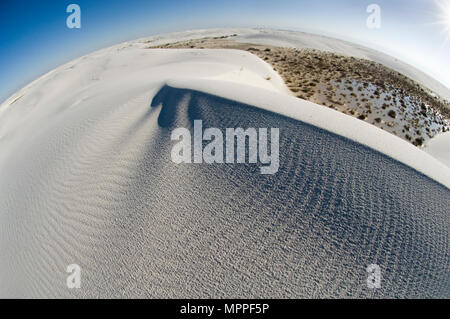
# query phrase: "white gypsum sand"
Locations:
[[439, 148], [86, 178]]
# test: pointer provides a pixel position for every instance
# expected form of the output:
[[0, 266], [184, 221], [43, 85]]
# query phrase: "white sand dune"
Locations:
[[86, 178], [439, 148]]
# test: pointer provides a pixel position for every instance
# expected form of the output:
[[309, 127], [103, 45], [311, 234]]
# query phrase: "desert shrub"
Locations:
[[392, 114]]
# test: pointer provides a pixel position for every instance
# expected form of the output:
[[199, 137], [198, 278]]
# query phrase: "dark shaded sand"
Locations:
[[205, 231]]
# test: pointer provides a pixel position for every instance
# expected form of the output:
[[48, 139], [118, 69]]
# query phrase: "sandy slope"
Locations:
[[86, 178], [439, 148]]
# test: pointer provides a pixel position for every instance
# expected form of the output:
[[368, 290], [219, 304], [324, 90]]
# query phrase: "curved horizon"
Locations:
[[38, 40]]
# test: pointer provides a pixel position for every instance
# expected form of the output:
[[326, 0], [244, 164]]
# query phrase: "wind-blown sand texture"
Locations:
[[86, 178]]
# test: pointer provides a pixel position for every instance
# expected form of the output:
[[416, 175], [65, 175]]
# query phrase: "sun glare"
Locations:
[[444, 15], [447, 13]]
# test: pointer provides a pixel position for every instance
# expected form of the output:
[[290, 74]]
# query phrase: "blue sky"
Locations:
[[34, 38]]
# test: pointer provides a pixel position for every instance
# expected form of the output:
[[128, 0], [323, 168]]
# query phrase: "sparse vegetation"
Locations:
[[358, 87]]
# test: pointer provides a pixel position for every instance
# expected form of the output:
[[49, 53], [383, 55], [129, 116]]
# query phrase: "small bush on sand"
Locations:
[[419, 141], [392, 114]]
